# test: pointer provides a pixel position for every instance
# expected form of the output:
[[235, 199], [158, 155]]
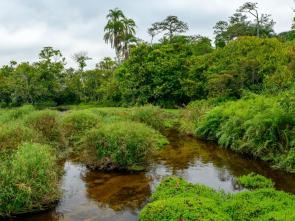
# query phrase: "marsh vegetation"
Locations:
[[115, 121]]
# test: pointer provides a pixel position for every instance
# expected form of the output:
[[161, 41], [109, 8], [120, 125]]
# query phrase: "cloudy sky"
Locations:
[[77, 25]]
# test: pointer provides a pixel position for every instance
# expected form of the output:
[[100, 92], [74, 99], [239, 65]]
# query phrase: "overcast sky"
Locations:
[[26, 26]]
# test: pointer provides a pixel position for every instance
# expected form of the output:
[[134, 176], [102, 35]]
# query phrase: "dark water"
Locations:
[[99, 196]]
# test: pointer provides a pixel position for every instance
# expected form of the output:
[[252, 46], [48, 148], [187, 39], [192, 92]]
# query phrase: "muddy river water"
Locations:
[[100, 196]]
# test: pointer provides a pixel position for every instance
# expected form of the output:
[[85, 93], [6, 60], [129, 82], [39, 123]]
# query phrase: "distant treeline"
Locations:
[[246, 55]]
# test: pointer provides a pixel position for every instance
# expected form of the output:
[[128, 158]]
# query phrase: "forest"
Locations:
[[236, 91]]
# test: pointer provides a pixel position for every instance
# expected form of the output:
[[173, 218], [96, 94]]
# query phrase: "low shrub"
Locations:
[[255, 181], [28, 180], [122, 144], [76, 123], [47, 123], [188, 209], [174, 199], [261, 204]]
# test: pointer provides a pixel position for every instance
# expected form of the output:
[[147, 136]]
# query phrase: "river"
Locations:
[[112, 196]]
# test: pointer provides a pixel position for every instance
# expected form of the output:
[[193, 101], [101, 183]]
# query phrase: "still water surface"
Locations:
[[100, 196]]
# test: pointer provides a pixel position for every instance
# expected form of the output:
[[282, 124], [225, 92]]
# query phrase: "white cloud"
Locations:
[[77, 25]]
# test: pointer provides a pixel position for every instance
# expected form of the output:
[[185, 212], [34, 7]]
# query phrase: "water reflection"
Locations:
[[91, 195]]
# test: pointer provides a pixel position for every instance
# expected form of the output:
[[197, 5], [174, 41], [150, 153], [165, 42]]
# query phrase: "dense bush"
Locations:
[[122, 144], [175, 199], [248, 63], [259, 125], [28, 180], [255, 181], [156, 73]]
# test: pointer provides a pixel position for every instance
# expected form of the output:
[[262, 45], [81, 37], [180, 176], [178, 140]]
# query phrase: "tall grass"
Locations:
[[260, 126], [14, 133], [76, 123], [47, 123], [28, 180], [7, 115]]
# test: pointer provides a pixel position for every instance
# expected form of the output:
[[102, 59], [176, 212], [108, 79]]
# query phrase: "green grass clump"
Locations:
[[47, 123], [28, 180], [188, 209], [260, 126], [76, 123], [259, 205], [150, 115], [14, 133], [255, 181], [122, 144], [176, 187], [175, 200], [7, 115]]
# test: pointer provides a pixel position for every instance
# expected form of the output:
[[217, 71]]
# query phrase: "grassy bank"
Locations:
[[257, 125], [104, 138], [176, 199]]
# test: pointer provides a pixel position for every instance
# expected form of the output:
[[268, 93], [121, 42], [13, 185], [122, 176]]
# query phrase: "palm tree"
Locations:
[[128, 36], [114, 29], [119, 32]]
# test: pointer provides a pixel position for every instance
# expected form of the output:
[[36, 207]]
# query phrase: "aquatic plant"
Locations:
[[255, 181]]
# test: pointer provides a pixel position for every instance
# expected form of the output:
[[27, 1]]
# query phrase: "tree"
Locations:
[[81, 58], [49, 54], [170, 26], [293, 25], [106, 64], [120, 32], [239, 24], [260, 20]]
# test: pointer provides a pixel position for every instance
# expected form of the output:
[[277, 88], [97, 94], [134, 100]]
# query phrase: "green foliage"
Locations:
[[28, 180], [194, 112], [76, 123], [260, 126], [156, 73], [7, 115], [47, 124], [262, 204], [247, 21], [150, 115], [13, 134], [248, 63], [175, 209], [255, 181], [122, 144], [175, 199]]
